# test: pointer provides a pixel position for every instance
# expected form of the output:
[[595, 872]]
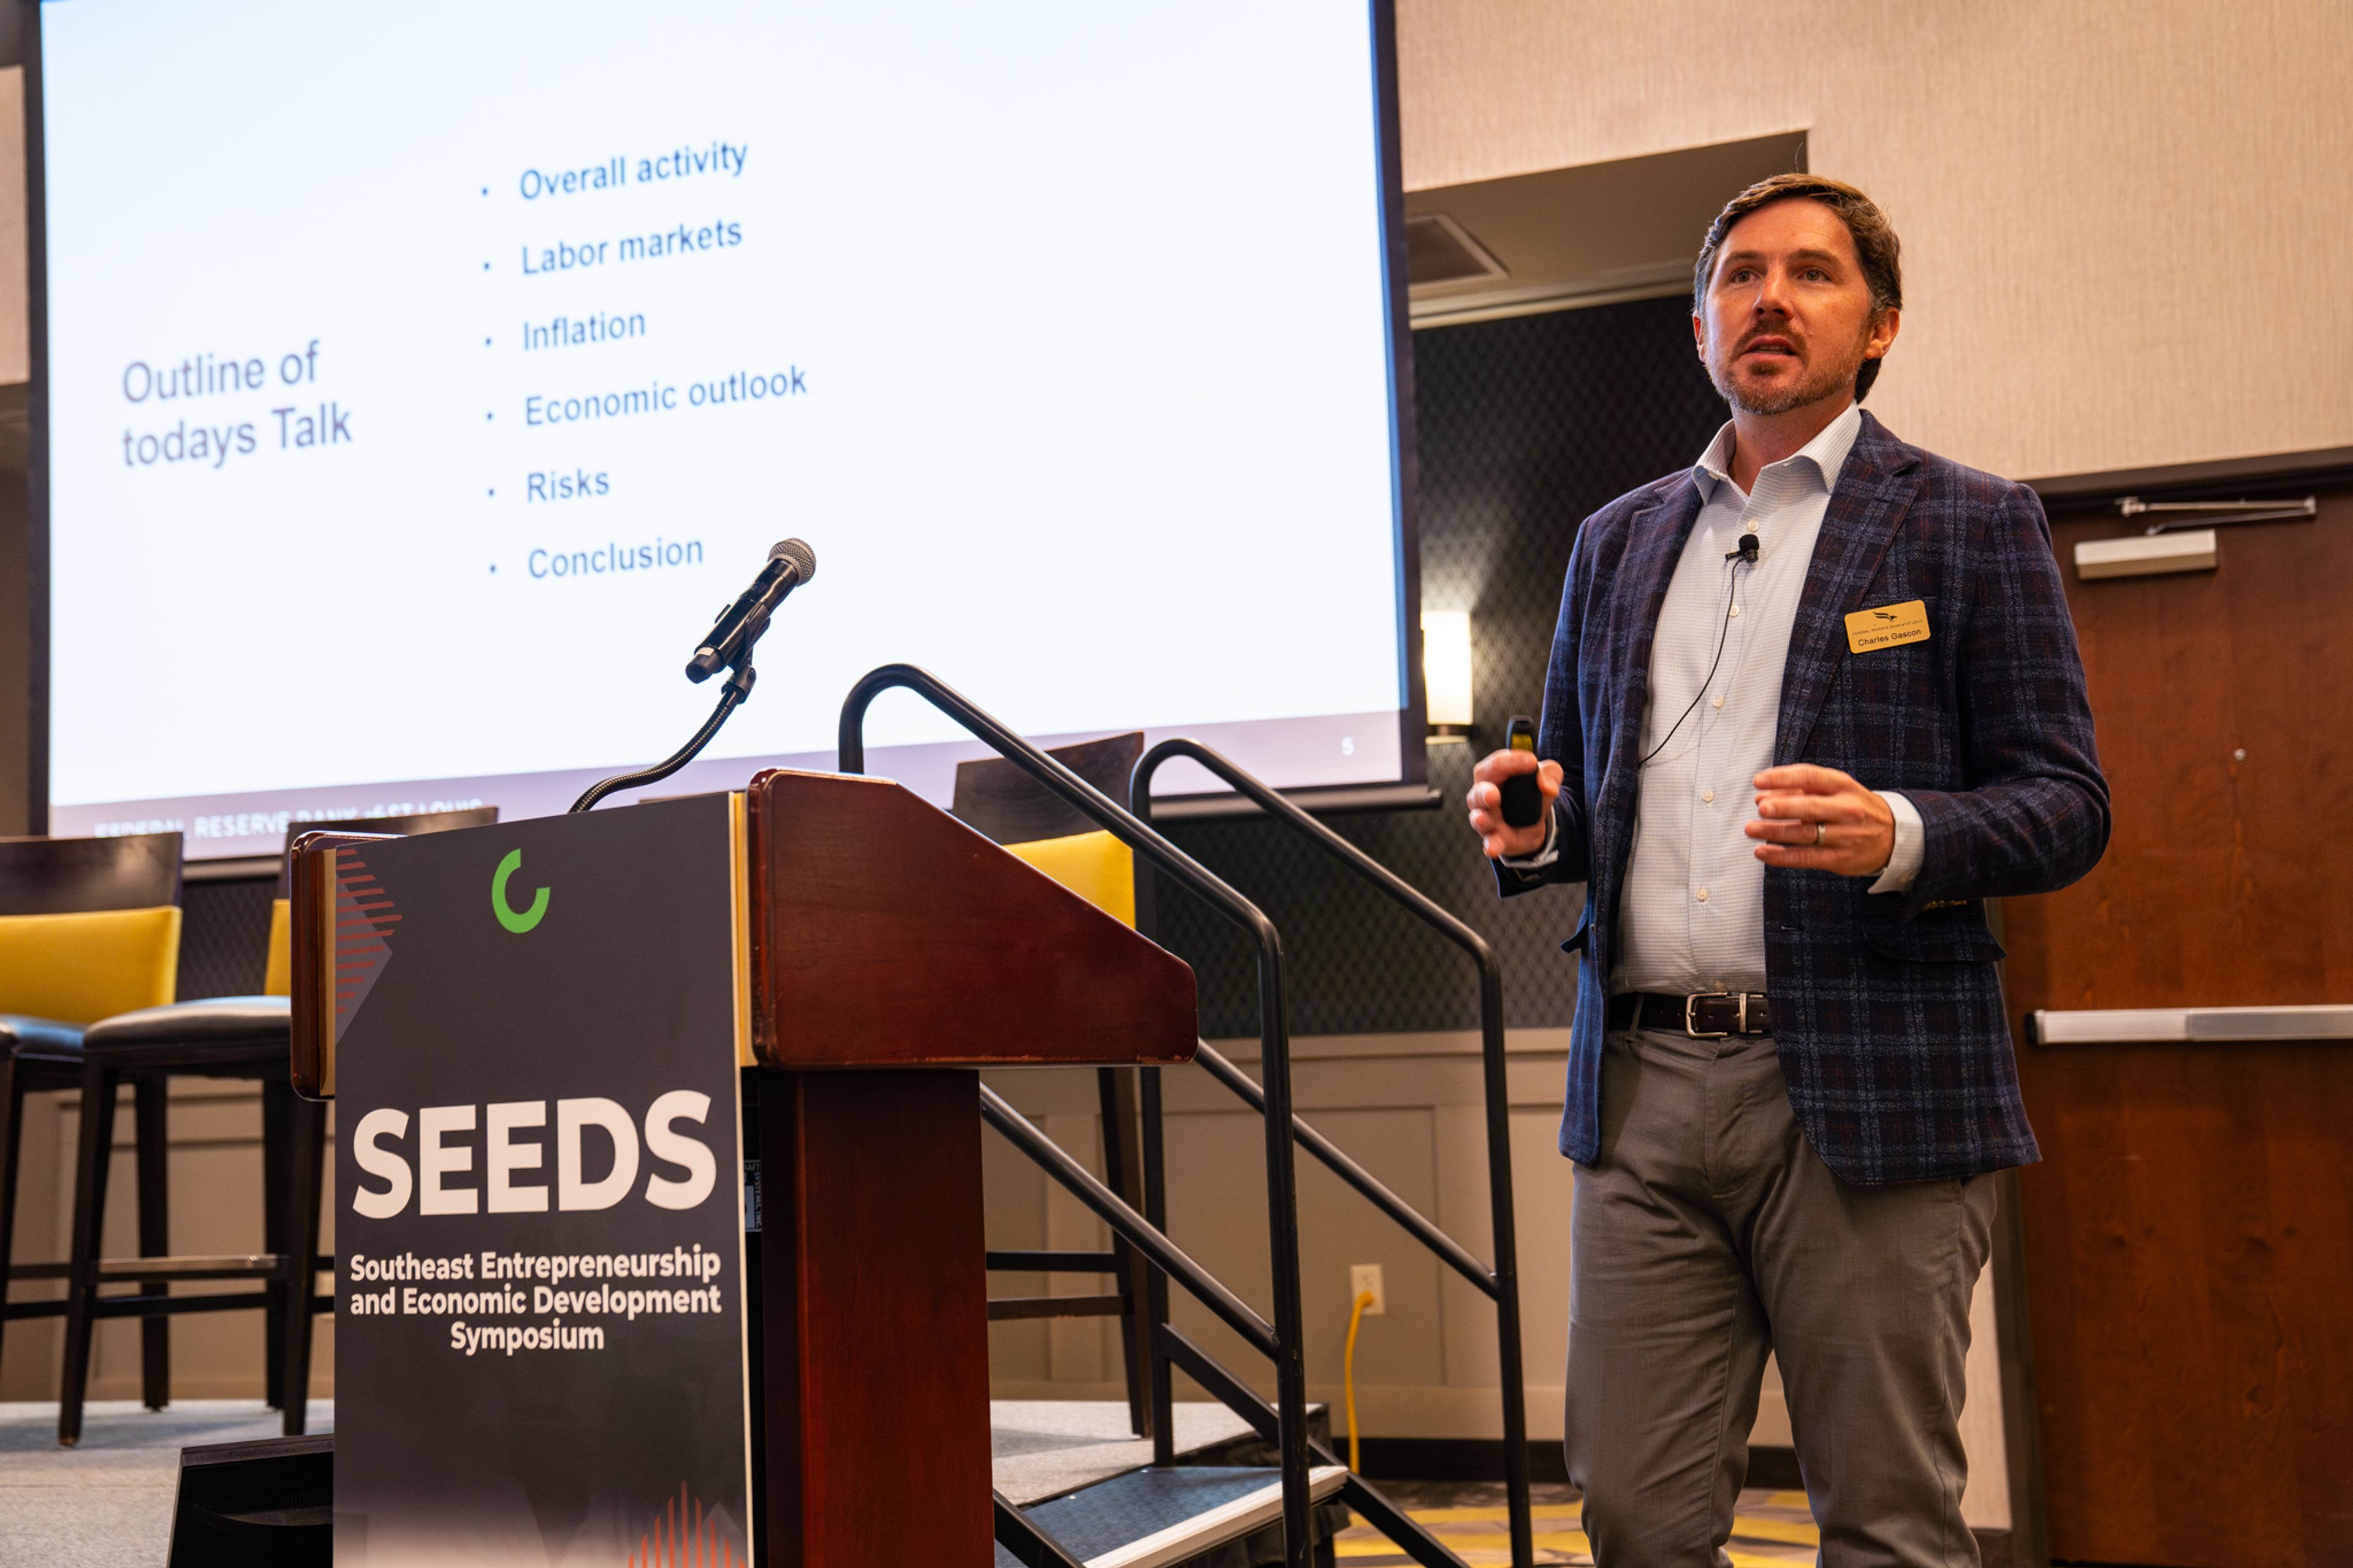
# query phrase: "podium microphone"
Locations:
[[790, 563], [728, 647]]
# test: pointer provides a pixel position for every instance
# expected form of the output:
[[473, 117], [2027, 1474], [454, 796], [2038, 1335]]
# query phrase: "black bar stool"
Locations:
[[88, 927], [223, 1037]]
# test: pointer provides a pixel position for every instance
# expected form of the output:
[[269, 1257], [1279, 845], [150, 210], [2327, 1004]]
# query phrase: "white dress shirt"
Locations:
[[1691, 917]]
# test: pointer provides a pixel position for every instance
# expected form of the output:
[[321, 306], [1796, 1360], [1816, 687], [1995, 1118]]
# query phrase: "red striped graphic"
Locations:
[[365, 918], [683, 1536]]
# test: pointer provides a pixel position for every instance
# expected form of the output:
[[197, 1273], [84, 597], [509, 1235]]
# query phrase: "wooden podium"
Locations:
[[884, 953]]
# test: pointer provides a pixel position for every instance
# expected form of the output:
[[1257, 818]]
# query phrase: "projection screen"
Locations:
[[421, 380]]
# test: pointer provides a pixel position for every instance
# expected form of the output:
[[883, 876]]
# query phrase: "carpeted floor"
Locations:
[[1770, 1529], [109, 1499]]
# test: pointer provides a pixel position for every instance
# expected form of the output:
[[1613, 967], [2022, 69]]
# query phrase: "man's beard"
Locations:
[[1820, 382]]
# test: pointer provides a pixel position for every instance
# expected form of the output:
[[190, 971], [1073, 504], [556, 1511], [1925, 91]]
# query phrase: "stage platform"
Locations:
[[109, 1499]]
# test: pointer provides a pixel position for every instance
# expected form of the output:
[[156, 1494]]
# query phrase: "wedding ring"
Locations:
[[1820, 828]]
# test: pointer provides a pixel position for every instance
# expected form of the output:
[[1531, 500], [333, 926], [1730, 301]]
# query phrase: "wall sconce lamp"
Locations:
[[1446, 673]]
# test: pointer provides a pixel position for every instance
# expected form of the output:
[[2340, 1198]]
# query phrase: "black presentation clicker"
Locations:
[[1523, 797]]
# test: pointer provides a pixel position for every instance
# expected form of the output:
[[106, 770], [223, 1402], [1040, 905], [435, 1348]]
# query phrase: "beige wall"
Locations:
[[2124, 223]]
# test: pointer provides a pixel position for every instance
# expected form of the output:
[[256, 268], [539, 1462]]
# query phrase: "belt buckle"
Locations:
[[1691, 1006]]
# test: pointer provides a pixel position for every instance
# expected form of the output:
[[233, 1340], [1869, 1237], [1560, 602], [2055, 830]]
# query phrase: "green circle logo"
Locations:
[[515, 920]]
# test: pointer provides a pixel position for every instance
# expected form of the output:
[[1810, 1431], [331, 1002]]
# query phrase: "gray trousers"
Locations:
[[1708, 1233]]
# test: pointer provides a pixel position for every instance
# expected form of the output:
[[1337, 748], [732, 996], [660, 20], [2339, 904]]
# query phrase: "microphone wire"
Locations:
[[1743, 556]]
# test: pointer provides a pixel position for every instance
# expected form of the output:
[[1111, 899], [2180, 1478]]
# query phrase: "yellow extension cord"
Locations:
[[1349, 1373]]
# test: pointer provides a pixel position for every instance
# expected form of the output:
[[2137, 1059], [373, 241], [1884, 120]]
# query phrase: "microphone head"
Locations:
[[796, 553]]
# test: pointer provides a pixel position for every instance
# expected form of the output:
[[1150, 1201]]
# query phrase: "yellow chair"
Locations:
[[1005, 804], [89, 928], [1095, 866]]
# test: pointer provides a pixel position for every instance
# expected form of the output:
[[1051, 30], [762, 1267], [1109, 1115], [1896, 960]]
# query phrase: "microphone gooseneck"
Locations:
[[728, 646]]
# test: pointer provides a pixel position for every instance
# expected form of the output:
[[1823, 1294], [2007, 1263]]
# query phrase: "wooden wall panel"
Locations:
[[2190, 1231]]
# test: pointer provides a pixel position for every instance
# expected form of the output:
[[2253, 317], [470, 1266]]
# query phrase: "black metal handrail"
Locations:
[[1450, 1252], [1030, 1546], [1381, 1512], [1112, 1211], [1287, 1350], [1170, 1347], [1502, 1283]]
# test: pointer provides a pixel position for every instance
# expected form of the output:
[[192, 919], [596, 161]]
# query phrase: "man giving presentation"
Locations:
[[1811, 702]]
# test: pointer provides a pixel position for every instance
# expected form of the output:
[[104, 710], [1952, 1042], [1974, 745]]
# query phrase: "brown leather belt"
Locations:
[[1704, 1015]]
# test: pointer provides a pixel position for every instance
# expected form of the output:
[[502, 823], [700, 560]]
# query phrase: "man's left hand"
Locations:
[[1819, 820]]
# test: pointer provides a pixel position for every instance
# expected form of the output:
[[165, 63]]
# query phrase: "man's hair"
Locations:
[[1874, 242]]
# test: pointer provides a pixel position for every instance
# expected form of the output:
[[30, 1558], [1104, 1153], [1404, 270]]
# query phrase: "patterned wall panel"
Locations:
[[225, 937], [1526, 425]]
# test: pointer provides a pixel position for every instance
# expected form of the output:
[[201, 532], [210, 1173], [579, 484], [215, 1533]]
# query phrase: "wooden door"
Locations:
[[2190, 1233]]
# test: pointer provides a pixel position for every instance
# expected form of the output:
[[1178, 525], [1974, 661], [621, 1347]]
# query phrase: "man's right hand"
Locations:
[[1486, 802]]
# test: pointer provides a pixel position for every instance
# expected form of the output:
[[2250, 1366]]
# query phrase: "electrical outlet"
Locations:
[[1365, 1277]]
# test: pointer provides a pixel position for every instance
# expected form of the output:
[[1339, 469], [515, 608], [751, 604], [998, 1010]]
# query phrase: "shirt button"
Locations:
[[1719, 702], [1708, 795], [1703, 895], [1735, 612]]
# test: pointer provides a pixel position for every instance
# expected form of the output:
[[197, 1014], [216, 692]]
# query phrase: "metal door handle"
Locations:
[[2120, 1026]]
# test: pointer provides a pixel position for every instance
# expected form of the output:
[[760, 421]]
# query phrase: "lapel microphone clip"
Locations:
[[1747, 551]]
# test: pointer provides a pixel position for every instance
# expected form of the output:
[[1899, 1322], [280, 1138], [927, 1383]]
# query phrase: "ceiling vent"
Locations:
[[1437, 250], [1591, 234]]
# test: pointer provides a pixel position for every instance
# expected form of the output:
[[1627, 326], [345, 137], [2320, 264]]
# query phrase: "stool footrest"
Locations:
[[234, 1266], [1008, 1309], [158, 1306], [240, 1265], [176, 1306]]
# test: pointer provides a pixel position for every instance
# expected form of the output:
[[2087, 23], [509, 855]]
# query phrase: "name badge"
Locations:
[[1887, 626]]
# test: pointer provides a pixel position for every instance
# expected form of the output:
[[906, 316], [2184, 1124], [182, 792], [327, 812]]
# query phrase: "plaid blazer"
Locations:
[[1887, 1010]]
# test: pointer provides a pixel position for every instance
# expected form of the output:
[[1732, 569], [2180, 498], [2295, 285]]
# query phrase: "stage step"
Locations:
[[1042, 1449], [1154, 1518]]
